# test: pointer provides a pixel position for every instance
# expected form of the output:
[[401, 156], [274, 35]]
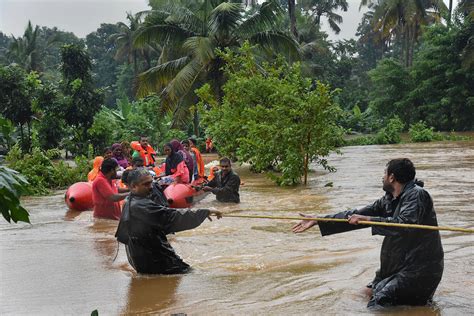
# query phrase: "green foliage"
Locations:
[[443, 92], [391, 84], [271, 116], [12, 185], [16, 97], [6, 132], [390, 134], [130, 121], [44, 174], [419, 132], [81, 101]]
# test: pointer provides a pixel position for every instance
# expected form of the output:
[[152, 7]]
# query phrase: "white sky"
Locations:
[[84, 16]]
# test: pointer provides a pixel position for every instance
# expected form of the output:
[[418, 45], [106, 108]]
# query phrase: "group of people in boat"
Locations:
[[411, 260], [183, 164]]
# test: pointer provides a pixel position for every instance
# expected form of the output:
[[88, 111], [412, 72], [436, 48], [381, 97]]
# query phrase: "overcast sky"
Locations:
[[84, 16]]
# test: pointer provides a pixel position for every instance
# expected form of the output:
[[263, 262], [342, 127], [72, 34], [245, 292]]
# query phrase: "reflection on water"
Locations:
[[64, 262]]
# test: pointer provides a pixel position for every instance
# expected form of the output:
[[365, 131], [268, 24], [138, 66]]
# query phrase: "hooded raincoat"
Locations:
[[411, 260], [143, 228]]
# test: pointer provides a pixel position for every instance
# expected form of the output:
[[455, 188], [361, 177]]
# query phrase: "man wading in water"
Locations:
[[411, 260], [144, 225]]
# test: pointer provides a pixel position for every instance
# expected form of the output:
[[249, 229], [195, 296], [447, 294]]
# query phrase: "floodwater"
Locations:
[[63, 264]]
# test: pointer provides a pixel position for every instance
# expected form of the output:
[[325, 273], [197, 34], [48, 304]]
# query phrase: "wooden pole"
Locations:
[[342, 220]]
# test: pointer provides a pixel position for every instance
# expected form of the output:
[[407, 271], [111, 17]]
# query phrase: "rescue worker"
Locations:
[[225, 184], [144, 225], [143, 149], [105, 194], [411, 260]]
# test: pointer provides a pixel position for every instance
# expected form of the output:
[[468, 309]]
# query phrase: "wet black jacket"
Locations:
[[143, 228], [226, 188], [411, 260]]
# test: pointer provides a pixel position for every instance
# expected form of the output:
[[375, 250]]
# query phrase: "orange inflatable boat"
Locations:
[[79, 196]]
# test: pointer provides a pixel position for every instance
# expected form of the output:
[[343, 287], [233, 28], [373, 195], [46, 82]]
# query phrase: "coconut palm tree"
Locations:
[[402, 20], [24, 50], [125, 48], [190, 36], [318, 8]]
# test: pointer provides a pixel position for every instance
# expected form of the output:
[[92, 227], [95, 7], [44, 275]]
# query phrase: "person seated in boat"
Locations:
[[225, 184], [411, 260], [199, 161], [118, 155], [144, 225], [176, 170], [209, 145], [105, 194], [187, 148], [143, 149], [188, 159], [137, 162]]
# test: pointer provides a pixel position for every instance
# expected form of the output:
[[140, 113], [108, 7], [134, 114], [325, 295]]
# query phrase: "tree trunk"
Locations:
[[306, 160], [196, 123], [450, 12], [291, 14]]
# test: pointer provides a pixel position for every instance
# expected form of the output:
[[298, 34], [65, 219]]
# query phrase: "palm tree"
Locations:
[[190, 36], [402, 20], [24, 50], [124, 40], [318, 8]]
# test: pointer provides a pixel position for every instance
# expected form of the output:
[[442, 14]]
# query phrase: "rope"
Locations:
[[324, 219]]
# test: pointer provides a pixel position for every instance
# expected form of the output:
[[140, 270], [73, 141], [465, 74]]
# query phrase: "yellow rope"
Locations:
[[324, 219]]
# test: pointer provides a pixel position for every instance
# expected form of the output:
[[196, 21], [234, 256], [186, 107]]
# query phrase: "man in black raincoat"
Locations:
[[226, 183], [144, 225], [411, 260]]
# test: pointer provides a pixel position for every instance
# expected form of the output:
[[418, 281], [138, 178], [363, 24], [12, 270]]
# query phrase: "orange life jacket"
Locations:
[[146, 154]]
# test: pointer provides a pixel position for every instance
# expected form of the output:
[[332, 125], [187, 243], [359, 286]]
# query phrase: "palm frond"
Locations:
[[156, 78], [278, 42], [224, 18], [162, 33], [184, 79], [264, 19], [200, 47]]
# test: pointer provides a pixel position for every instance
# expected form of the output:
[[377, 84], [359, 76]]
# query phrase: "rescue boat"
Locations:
[[79, 195]]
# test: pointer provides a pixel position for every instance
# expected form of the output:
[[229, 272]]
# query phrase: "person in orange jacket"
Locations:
[[199, 160], [143, 148]]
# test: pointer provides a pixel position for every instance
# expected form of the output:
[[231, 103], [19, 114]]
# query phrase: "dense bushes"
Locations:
[[42, 173]]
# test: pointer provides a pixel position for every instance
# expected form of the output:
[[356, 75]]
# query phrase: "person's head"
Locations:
[[126, 149], [109, 168], [117, 150], [140, 182], [399, 171], [192, 142], [143, 141], [225, 165], [185, 144], [176, 145], [168, 149], [137, 162], [108, 153]]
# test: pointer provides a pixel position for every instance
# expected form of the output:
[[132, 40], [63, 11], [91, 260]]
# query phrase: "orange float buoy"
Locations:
[[79, 196], [180, 195]]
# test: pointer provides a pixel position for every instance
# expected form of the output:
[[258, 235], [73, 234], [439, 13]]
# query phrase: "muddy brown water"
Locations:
[[63, 263]]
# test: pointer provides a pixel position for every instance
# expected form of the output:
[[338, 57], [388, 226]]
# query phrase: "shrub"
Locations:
[[390, 134], [419, 132], [42, 174]]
